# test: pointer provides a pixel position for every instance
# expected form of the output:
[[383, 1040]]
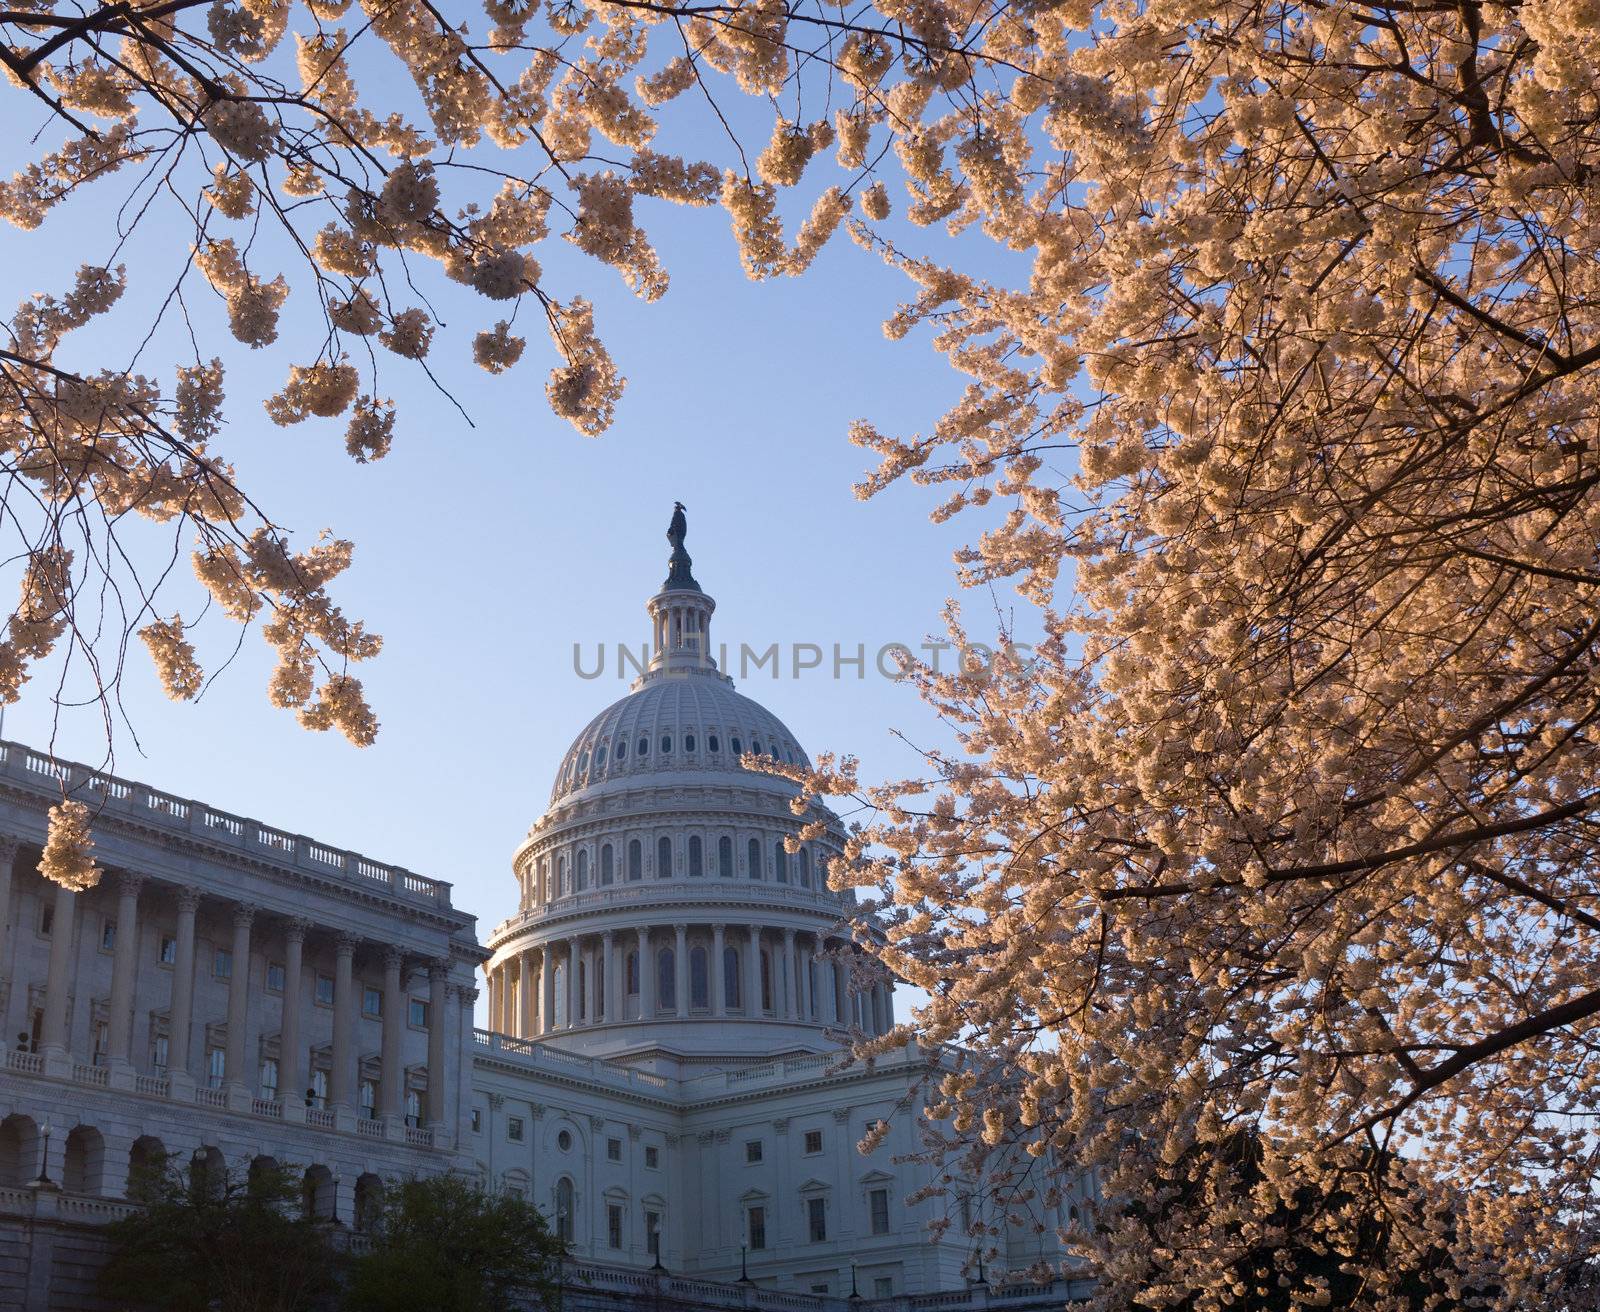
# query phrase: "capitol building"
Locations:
[[664, 1068]]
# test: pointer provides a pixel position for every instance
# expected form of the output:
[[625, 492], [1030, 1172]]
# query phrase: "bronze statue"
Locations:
[[679, 573]]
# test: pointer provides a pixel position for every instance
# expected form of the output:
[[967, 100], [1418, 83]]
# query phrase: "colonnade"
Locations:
[[253, 937], [747, 971]]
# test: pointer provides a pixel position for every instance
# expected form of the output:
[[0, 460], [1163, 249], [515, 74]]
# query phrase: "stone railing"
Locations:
[[587, 1285], [160, 1086], [148, 806], [486, 1042]]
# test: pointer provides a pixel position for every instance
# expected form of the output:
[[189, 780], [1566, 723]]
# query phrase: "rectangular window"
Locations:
[[318, 1090], [108, 935], [883, 1287], [216, 1067], [878, 1206], [757, 1228], [477, 1121], [275, 977], [269, 1078], [158, 1054], [47, 915], [652, 1156], [614, 1225], [613, 1150], [514, 1129], [102, 1041], [817, 1219], [324, 990], [222, 963], [652, 1233], [419, 1014], [169, 950], [371, 1001], [813, 1141], [752, 1150]]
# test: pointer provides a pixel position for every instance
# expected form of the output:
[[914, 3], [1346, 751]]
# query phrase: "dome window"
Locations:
[[688, 742], [738, 748], [755, 747], [600, 757], [583, 763], [712, 744], [622, 751], [666, 744], [644, 746], [564, 1141]]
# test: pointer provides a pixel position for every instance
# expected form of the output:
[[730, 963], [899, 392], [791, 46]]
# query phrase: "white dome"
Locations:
[[684, 723]]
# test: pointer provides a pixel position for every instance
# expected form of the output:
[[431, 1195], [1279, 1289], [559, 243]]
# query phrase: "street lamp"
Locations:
[[855, 1294], [43, 1180], [744, 1274]]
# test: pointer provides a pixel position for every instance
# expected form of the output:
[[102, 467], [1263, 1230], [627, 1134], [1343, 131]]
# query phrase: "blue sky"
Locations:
[[484, 553]]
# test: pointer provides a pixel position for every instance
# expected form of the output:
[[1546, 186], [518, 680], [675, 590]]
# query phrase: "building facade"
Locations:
[[662, 1070]]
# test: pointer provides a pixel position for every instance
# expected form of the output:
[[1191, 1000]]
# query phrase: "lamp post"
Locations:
[[744, 1274], [855, 1294], [43, 1180]]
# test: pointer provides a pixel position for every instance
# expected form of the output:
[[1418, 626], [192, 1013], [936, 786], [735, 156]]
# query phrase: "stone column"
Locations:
[[391, 1092], [647, 977], [341, 1088], [753, 971], [829, 1008], [438, 1015], [608, 954], [525, 995], [719, 991], [591, 992], [239, 998], [53, 1030], [572, 982], [802, 979], [791, 995], [547, 985], [291, 1047], [841, 993], [123, 965], [680, 968], [8, 858], [180, 1017]]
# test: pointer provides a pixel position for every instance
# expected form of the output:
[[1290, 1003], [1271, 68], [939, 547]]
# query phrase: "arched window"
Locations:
[[666, 743], [805, 867], [666, 979], [635, 860], [600, 757], [561, 875], [780, 862], [566, 1220], [544, 880], [697, 860], [622, 751], [664, 857], [699, 979], [606, 870], [730, 975], [559, 991], [583, 868], [737, 749], [583, 764], [712, 744], [725, 857], [633, 974], [755, 748], [644, 746], [755, 859], [688, 742], [766, 980]]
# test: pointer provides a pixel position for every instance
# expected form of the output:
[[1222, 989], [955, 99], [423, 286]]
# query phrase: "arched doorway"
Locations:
[[316, 1193], [369, 1202], [84, 1170], [147, 1163], [19, 1149]]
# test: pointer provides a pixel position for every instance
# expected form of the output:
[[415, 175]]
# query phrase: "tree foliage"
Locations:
[[446, 1244], [217, 1241]]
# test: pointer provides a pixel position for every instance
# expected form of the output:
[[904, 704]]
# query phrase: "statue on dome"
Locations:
[[679, 574]]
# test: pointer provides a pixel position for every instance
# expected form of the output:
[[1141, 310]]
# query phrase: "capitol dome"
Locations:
[[662, 919]]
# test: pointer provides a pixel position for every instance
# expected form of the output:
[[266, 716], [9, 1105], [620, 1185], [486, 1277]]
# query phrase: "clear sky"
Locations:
[[486, 552]]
